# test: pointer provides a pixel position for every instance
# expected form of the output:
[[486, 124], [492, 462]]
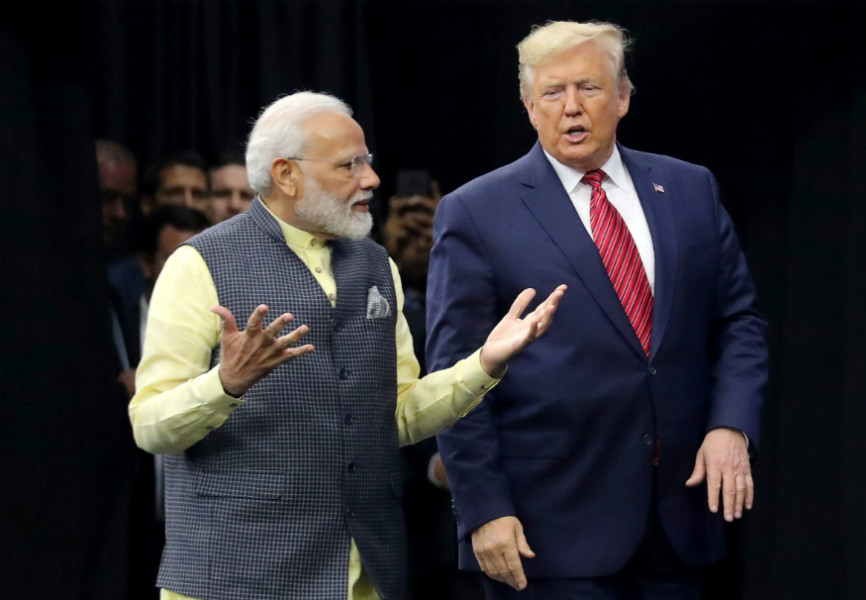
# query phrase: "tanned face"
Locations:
[[576, 104]]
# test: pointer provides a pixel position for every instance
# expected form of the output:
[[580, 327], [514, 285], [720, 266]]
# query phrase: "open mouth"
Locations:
[[576, 134], [362, 205]]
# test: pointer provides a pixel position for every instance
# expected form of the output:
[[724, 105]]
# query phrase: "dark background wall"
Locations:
[[770, 95]]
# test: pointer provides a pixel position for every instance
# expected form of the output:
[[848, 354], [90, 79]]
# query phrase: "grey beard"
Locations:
[[331, 214]]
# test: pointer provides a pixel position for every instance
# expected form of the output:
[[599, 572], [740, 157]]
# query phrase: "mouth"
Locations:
[[576, 134], [362, 204]]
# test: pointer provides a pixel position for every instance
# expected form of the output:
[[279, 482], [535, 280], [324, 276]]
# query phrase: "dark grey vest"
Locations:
[[264, 507]]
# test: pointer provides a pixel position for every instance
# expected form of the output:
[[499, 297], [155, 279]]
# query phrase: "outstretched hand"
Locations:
[[249, 355], [514, 333]]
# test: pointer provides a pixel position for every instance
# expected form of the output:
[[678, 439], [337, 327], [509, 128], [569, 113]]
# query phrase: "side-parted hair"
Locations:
[[547, 42], [279, 132], [155, 170]]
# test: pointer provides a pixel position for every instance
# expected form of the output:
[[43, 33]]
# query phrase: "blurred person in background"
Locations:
[[230, 191], [180, 179]]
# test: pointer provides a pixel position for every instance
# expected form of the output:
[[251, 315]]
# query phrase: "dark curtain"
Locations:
[[66, 459], [770, 95]]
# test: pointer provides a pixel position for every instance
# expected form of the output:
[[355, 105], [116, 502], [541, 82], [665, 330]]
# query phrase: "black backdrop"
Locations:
[[770, 95]]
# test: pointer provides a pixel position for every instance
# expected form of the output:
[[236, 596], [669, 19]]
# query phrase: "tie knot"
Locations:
[[594, 178]]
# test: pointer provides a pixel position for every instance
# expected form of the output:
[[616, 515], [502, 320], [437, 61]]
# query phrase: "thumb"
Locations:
[[522, 544], [699, 472], [228, 320]]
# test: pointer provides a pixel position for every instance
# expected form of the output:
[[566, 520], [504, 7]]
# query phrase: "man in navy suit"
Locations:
[[610, 457]]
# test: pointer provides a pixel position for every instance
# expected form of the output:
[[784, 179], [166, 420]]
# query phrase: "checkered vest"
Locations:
[[264, 507]]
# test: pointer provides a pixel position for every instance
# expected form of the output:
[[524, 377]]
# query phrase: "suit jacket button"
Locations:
[[647, 439], [653, 370]]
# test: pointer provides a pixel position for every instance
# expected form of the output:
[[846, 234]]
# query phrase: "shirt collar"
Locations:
[[570, 177]]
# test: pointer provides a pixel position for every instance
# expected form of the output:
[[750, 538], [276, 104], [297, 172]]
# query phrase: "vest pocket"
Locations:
[[254, 485]]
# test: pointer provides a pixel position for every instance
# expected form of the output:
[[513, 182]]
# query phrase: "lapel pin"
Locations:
[[659, 188]]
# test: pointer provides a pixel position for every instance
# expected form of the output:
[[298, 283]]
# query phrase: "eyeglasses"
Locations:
[[355, 165]]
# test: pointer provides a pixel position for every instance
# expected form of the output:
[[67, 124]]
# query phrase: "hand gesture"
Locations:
[[724, 460], [249, 355], [512, 333], [498, 546]]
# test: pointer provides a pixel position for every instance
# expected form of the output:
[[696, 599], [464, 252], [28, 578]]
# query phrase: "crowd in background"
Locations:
[[146, 215]]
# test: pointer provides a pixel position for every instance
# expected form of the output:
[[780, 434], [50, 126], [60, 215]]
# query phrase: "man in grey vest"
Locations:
[[283, 479]]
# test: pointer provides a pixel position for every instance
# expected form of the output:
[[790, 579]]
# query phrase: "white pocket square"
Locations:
[[377, 305]]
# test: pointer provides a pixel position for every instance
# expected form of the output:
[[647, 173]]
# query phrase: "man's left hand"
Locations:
[[723, 460]]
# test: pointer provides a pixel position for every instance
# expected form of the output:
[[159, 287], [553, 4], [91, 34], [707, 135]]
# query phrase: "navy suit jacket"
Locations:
[[566, 441]]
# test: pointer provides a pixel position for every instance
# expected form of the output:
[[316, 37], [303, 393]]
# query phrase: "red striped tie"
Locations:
[[621, 259]]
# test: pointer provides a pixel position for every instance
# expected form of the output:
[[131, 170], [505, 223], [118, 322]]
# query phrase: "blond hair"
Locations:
[[547, 42]]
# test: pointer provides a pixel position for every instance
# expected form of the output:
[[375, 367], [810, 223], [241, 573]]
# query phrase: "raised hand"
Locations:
[[249, 355], [513, 333]]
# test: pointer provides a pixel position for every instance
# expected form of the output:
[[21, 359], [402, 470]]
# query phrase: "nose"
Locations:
[[236, 206], [116, 209], [188, 200], [572, 101], [369, 179]]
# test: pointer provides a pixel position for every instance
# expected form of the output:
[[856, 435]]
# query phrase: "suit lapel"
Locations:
[[550, 205], [656, 194]]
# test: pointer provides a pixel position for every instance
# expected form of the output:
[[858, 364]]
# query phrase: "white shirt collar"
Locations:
[[570, 177]]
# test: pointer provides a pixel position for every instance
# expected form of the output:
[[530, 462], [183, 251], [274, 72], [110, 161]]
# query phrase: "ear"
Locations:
[[530, 110], [286, 174], [623, 102]]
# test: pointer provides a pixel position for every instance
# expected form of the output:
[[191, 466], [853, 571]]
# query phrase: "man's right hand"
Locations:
[[249, 355], [498, 546]]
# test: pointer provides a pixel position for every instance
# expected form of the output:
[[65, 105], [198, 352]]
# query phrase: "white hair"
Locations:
[[279, 132]]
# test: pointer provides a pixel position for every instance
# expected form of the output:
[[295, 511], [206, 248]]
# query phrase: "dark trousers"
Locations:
[[654, 573]]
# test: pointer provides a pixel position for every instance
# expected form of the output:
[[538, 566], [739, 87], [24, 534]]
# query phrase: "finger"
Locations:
[[740, 486], [714, 486], [274, 329], [514, 567], [293, 336], [729, 495], [254, 323], [521, 302], [544, 320], [555, 296], [699, 471], [228, 319], [750, 491], [523, 546]]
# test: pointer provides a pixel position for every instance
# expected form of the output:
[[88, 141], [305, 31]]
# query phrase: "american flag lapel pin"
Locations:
[[659, 188]]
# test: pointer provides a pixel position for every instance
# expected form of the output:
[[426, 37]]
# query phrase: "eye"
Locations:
[[552, 93]]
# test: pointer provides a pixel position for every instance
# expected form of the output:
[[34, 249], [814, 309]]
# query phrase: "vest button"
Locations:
[[344, 373], [351, 466]]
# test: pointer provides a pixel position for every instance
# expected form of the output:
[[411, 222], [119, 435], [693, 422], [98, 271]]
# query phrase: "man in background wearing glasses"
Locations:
[[283, 479]]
